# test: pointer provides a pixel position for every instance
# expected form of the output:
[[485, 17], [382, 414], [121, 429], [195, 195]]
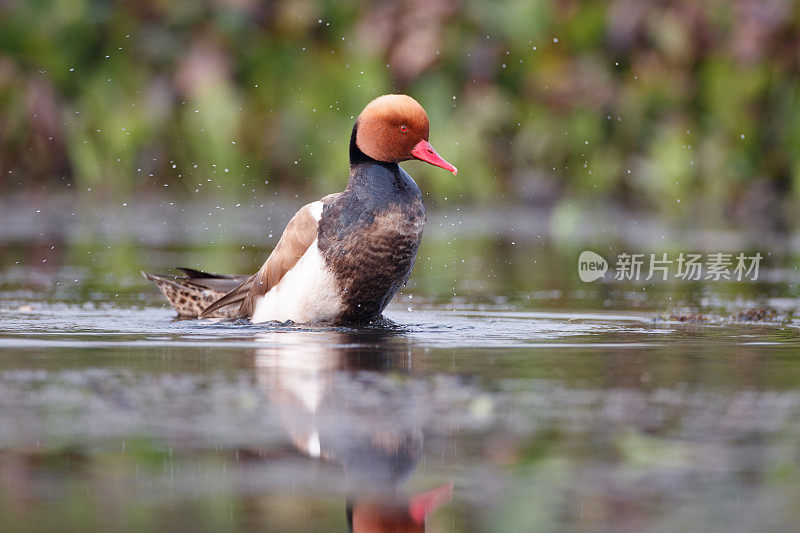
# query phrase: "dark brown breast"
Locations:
[[369, 239], [372, 266]]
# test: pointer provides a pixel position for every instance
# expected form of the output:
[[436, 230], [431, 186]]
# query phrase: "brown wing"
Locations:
[[297, 237]]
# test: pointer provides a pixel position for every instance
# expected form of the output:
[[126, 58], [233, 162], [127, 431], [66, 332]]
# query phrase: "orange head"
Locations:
[[394, 128], [373, 515]]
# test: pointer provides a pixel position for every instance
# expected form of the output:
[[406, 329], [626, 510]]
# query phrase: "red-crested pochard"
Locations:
[[331, 402], [340, 259]]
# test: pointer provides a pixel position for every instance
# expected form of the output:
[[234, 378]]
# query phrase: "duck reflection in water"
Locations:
[[346, 398]]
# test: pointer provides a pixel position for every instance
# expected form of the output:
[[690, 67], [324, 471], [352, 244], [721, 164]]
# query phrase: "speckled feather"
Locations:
[[190, 299]]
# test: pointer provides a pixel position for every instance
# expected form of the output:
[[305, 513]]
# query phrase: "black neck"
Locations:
[[357, 157], [376, 184]]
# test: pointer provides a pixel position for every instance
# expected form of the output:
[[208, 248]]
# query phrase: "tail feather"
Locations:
[[199, 274], [234, 296], [190, 295]]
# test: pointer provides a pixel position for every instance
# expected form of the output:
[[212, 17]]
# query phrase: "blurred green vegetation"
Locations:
[[688, 108]]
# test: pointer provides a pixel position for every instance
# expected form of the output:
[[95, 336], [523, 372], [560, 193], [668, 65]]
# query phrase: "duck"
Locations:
[[339, 407], [340, 259]]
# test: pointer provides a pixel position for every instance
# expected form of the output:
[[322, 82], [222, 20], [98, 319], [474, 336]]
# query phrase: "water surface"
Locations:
[[501, 393]]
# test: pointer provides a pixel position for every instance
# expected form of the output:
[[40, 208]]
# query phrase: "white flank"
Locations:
[[307, 293], [316, 209], [314, 446], [295, 373]]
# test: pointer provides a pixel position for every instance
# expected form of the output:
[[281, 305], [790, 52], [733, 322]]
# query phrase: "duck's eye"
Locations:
[[403, 128]]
